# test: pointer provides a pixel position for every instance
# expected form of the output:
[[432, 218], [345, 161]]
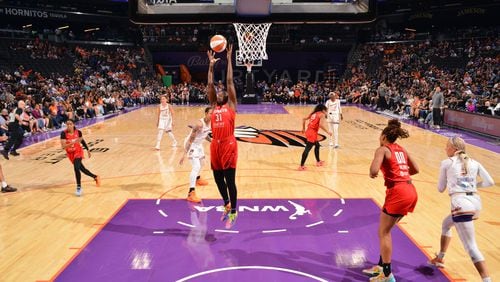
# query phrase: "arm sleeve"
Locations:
[[63, 135], [84, 144], [486, 177], [442, 175]]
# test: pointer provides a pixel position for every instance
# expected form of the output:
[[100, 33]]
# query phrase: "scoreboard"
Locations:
[[226, 11]]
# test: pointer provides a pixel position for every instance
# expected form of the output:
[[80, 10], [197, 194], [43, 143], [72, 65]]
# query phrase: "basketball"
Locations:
[[218, 43]]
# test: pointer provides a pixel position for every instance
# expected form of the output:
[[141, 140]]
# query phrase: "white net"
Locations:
[[252, 41]]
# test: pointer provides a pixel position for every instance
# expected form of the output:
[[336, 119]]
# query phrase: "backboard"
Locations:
[[229, 11]]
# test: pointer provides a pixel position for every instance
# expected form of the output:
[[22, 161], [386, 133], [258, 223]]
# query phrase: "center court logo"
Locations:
[[276, 137]]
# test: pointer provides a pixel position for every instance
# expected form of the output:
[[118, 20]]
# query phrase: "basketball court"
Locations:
[[313, 225]]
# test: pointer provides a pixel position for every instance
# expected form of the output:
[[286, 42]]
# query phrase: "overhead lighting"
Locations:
[[411, 29], [63, 27], [28, 25], [91, 29]]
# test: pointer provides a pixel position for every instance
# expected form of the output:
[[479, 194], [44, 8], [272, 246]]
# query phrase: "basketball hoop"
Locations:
[[252, 41]]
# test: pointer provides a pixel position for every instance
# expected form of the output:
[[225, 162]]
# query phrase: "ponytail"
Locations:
[[459, 144], [394, 131]]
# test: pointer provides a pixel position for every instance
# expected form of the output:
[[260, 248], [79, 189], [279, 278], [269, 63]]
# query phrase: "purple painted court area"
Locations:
[[273, 240], [261, 109]]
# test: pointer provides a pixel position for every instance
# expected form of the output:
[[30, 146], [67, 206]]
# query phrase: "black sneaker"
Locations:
[[14, 153], [8, 189], [5, 154]]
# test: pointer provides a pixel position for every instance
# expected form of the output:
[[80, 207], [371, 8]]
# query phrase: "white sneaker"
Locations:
[[78, 192], [157, 148], [174, 144], [336, 146], [331, 144]]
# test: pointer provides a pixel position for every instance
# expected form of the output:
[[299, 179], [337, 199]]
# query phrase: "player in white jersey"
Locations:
[[459, 174], [334, 117], [193, 148], [165, 122]]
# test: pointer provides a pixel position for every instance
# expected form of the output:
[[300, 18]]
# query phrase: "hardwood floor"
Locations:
[[44, 224]]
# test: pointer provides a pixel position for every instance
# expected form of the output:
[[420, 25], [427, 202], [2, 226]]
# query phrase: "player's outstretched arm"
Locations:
[[231, 90], [212, 98], [187, 146]]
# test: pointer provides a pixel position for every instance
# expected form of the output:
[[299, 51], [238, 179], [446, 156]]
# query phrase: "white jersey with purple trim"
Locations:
[[196, 150], [165, 121], [452, 177], [334, 110]]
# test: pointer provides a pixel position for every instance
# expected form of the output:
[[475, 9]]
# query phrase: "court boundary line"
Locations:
[[440, 133], [58, 185], [108, 220], [88, 241], [398, 225], [104, 119]]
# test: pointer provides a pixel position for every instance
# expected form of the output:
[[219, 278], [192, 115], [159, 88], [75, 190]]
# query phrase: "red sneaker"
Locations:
[[193, 198], [201, 182], [97, 181]]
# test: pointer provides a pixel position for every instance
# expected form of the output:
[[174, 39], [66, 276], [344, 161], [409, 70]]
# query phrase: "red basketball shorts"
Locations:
[[312, 136], [400, 199], [223, 153], [75, 155]]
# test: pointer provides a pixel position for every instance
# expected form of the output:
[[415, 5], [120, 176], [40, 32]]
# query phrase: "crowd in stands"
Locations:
[[40, 49], [401, 77], [397, 77], [103, 81]]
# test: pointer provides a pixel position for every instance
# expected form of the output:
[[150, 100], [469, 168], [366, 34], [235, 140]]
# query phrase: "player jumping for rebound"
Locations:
[[223, 148], [193, 148]]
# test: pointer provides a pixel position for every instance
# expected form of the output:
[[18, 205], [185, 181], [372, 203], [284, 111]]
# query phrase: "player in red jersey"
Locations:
[[313, 127], [223, 148], [72, 141], [401, 196]]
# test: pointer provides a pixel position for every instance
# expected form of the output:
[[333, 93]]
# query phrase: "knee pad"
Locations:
[[195, 162], [446, 226], [476, 255], [446, 231]]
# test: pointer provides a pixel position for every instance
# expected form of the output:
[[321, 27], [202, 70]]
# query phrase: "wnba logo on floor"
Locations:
[[276, 137], [299, 210]]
